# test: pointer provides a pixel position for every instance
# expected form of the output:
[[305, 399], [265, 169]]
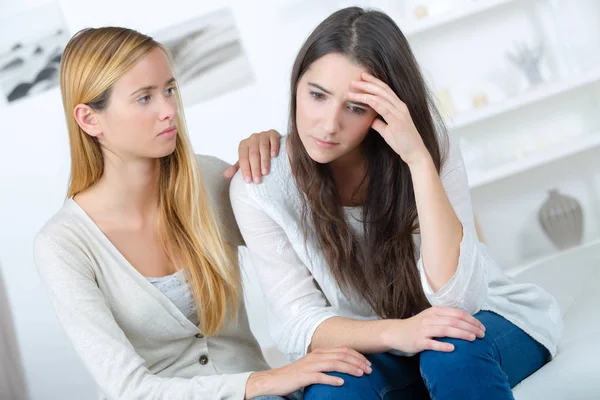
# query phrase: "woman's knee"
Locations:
[[354, 388], [465, 354]]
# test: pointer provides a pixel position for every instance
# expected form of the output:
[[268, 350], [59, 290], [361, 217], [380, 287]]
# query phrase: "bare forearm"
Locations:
[[366, 337], [440, 228]]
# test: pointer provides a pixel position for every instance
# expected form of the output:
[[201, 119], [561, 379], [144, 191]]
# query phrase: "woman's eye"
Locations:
[[317, 95], [356, 110], [170, 91], [144, 100]]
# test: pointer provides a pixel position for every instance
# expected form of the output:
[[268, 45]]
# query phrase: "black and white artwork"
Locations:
[[208, 55], [31, 46]]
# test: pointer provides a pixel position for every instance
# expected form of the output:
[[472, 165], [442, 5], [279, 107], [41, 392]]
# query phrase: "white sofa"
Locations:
[[573, 277]]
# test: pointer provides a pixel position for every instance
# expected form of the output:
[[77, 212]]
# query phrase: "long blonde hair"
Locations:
[[93, 60]]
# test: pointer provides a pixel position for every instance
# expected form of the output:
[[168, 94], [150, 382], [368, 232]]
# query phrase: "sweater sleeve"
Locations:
[[467, 289], [297, 306], [104, 348]]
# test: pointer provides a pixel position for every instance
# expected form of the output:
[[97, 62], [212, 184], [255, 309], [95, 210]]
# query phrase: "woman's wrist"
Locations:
[[388, 334], [258, 384], [421, 160]]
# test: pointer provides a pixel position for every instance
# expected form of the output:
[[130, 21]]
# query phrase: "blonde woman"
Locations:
[[140, 263]]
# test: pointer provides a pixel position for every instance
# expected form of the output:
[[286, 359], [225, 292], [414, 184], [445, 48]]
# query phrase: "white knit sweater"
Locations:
[[269, 217], [134, 341]]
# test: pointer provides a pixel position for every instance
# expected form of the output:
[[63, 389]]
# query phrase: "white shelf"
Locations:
[[585, 247], [430, 23], [529, 97], [578, 145]]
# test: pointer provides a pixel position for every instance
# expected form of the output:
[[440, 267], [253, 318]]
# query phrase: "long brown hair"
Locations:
[[381, 268], [93, 60]]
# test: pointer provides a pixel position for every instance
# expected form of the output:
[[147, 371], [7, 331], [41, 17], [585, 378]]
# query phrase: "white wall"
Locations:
[[34, 159]]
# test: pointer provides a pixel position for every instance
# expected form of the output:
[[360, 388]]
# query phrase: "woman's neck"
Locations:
[[349, 174], [127, 191]]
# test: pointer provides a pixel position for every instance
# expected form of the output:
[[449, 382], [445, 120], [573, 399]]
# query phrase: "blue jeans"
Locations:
[[269, 398], [293, 396], [485, 369]]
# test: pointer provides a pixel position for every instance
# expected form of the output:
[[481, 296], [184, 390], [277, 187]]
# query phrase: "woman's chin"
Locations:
[[321, 156], [165, 151]]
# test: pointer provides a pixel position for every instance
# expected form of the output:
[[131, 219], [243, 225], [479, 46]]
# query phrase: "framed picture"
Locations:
[[208, 55], [31, 46]]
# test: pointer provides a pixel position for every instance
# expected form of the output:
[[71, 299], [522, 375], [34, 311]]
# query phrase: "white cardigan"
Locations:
[[269, 217], [134, 341]]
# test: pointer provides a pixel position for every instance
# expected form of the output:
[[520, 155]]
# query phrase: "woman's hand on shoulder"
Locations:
[[254, 156], [308, 370]]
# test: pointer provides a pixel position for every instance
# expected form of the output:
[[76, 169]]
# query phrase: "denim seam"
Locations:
[[427, 384], [504, 334]]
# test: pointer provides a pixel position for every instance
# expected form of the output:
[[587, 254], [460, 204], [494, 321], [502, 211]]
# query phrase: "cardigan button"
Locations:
[[199, 335], [203, 360]]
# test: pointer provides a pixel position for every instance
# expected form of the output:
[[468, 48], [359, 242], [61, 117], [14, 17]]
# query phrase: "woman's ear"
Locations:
[[87, 119]]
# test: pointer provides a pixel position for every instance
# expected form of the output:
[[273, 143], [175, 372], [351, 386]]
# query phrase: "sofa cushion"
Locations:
[[573, 278]]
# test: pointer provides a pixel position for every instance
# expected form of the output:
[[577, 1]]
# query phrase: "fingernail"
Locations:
[[340, 382], [472, 337], [248, 179], [369, 369], [257, 180], [369, 363], [360, 372], [265, 171], [482, 334], [273, 154]]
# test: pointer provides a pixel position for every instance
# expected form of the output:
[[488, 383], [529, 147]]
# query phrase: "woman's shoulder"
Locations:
[[215, 183], [217, 188], [212, 169], [65, 224], [65, 233], [279, 182]]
